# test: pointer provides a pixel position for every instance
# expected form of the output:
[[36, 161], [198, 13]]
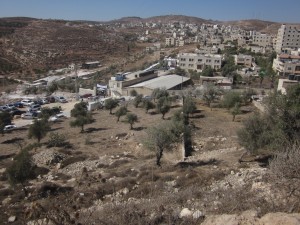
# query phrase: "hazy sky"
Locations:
[[103, 10]]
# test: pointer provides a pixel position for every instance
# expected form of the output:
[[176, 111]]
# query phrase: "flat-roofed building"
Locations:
[[288, 36], [262, 39], [122, 80], [286, 64], [283, 84], [194, 61], [168, 82], [243, 60]]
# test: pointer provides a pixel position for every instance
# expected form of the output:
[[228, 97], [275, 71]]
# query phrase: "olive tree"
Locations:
[[235, 110], [163, 106], [38, 129], [189, 106], [131, 119], [110, 104], [82, 116], [21, 170], [278, 126], [230, 98], [147, 105], [159, 139], [210, 93], [137, 100], [121, 112]]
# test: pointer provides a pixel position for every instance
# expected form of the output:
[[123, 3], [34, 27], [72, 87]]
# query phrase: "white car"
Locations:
[[9, 127], [61, 99], [27, 102], [28, 116], [53, 119]]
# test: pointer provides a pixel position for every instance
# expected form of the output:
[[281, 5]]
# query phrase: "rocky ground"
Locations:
[[107, 176]]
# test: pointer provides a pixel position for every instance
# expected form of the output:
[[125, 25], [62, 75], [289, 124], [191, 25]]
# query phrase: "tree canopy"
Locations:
[[38, 129], [22, 168], [131, 119], [110, 104], [121, 112], [277, 127], [210, 93], [81, 115], [5, 119]]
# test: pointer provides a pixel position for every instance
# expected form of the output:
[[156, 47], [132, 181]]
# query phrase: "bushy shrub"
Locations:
[[57, 140]]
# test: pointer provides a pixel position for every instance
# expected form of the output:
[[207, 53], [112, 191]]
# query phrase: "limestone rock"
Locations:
[[12, 219], [185, 212]]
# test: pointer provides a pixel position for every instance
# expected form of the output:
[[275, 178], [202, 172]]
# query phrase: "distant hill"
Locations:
[[29, 44], [258, 25], [163, 19]]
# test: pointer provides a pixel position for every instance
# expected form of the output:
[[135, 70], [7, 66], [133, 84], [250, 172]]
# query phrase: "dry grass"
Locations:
[[160, 193]]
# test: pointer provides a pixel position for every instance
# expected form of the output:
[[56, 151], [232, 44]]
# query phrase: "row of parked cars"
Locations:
[[33, 106]]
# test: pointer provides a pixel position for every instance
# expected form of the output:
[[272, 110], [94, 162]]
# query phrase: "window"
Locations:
[[199, 60]]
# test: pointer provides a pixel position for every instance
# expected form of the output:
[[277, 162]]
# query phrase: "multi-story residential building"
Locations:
[[243, 60], [286, 64], [214, 41], [179, 42], [288, 37], [194, 61], [170, 41], [174, 42], [262, 39]]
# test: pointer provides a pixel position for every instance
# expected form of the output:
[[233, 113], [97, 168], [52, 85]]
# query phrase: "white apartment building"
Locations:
[[286, 64], [243, 60], [288, 37], [170, 41], [194, 61], [174, 42], [262, 40]]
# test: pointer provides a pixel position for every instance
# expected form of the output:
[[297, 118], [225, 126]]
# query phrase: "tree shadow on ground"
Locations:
[[12, 141], [175, 106], [7, 156], [139, 128], [152, 112], [57, 128], [197, 116], [197, 163], [93, 129]]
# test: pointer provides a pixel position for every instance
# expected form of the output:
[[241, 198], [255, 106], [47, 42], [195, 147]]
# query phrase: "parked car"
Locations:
[[9, 127], [50, 99], [61, 99], [29, 115], [27, 102], [4, 108], [147, 97], [45, 101], [86, 95], [17, 112], [18, 104], [10, 106], [53, 119], [35, 107]]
